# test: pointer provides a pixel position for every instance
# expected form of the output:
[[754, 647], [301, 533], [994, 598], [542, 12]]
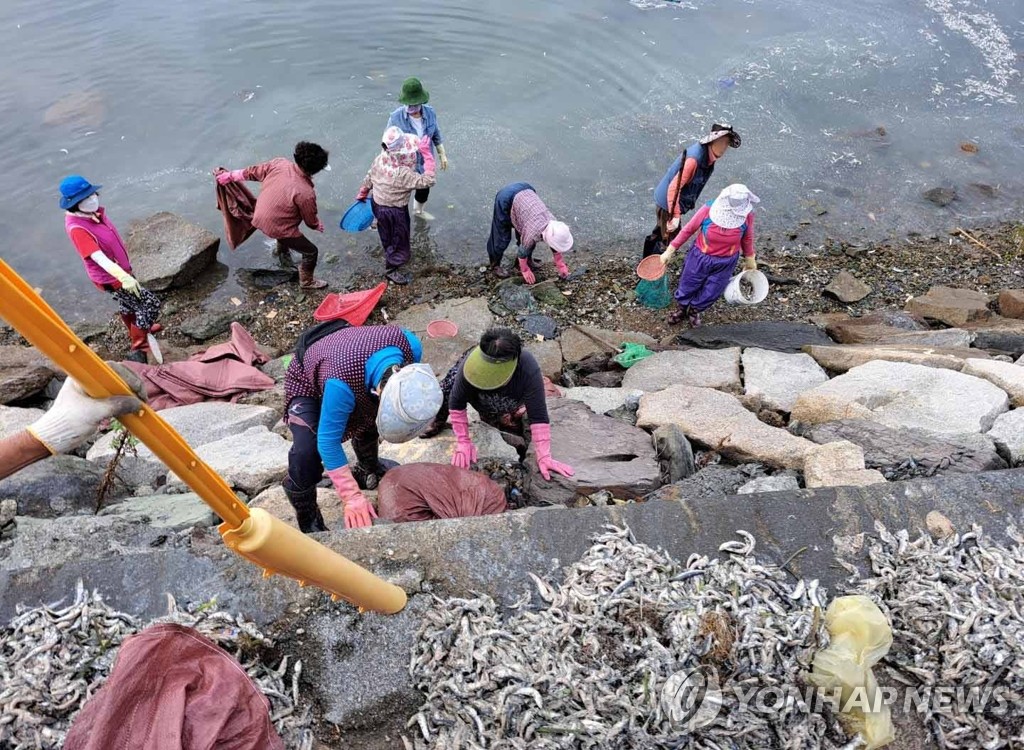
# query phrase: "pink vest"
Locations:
[[106, 236]]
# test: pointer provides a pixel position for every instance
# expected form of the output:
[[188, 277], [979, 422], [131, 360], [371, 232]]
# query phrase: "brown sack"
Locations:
[[172, 689], [422, 492], [236, 203]]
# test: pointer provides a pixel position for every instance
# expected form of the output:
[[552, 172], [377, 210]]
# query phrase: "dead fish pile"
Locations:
[[53, 658], [598, 664], [956, 612]]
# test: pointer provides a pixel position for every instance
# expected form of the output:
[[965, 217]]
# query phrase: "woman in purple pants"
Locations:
[[724, 229]]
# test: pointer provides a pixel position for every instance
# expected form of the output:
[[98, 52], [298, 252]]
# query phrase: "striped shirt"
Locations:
[[530, 218]]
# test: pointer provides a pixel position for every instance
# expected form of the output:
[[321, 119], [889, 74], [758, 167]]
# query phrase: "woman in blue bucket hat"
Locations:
[[105, 257]]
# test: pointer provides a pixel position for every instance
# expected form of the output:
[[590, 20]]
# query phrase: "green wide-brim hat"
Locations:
[[413, 92], [486, 373]]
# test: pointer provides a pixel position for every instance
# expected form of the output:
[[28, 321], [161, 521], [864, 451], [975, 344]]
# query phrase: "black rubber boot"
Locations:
[[307, 512]]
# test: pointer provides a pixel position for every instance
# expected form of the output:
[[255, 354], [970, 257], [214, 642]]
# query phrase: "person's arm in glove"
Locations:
[[125, 279], [747, 245], [541, 434], [70, 421], [235, 175], [428, 155], [524, 268], [750, 263], [358, 510], [465, 451], [563, 270], [443, 157]]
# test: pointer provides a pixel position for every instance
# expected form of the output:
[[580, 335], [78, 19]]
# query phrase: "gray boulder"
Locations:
[[777, 483], [895, 327], [605, 453], [1008, 434], [470, 314], [207, 325], [250, 462], [1006, 375], [172, 512], [847, 288], [276, 368], [600, 400], [779, 336], [549, 356], [999, 334], [23, 373], [168, 251], [705, 368], [675, 454], [14, 420], [901, 453], [56, 486], [778, 378], [904, 395]]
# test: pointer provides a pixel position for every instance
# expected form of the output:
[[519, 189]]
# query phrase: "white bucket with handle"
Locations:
[[759, 288]]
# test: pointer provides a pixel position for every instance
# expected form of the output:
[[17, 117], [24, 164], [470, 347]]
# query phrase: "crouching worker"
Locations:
[[357, 384], [505, 385], [424, 492], [518, 207]]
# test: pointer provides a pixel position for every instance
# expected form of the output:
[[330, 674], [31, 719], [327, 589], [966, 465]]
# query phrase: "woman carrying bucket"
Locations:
[[724, 229]]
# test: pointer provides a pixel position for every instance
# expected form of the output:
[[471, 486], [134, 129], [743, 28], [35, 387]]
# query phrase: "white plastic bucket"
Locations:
[[734, 295]]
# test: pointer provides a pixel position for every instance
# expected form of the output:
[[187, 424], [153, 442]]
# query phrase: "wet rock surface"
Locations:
[[1000, 334], [779, 336], [713, 481], [169, 251]]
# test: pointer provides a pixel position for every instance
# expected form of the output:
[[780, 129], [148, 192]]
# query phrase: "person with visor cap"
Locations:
[[725, 231], [106, 261], [415, 117], [518, 207], [505, 385], [680, 188], [351, 383]]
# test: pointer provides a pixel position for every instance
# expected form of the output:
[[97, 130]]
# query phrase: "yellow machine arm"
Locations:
[[252, 533]]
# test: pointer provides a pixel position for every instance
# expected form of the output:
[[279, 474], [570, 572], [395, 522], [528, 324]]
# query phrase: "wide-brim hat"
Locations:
[[731, 207], [409, 403], [488, 373], [413, 92], [74, 189], [721, 131], [558, 236]]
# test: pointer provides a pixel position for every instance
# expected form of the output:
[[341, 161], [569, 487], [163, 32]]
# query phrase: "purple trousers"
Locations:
[[704, 279], [393, 226]]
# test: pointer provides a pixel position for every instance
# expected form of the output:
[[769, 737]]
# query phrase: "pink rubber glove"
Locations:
[[541, 434], [524, 267], [363, 192], [428, 155], [358, 511], [563, 270], [465, 451], [319, 226], [237, 175]]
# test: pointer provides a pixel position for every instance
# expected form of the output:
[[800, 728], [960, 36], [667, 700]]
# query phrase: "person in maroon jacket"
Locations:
[[288, 199]]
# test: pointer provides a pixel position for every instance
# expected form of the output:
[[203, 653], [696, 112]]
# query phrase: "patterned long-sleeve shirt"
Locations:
[[286, 200], [529, 217]]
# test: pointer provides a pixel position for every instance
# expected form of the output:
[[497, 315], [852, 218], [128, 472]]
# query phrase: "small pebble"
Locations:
[[938, 525]]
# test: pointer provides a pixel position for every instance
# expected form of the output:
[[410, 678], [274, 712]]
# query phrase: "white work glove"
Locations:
[[673, 224], [443, 157], [75, 416], [666, 256]]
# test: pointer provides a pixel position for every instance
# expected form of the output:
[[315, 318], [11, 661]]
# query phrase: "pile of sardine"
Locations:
[[598, 662], [53, 658], [956, 608]]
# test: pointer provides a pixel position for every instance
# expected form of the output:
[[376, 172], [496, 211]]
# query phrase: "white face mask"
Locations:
[[90, 205]]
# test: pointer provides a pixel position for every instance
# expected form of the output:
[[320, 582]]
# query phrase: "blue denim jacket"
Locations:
[[400, 119]]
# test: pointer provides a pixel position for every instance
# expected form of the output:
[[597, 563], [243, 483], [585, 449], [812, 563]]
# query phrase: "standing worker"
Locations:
[[287, 199], [505, 385], [518, 207], [391, 179], [417, 118], [353, 383], [680, 188], [726, 228], [106, 261]]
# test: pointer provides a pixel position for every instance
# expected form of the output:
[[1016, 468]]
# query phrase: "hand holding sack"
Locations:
[[236, 175]]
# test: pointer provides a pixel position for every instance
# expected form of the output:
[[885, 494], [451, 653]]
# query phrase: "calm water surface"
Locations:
[[586, 99]]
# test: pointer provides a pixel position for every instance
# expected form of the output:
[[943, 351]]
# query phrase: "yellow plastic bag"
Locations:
[[860, 637]]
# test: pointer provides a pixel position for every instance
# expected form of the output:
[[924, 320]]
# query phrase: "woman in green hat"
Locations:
[[505, 385], [417, 118]]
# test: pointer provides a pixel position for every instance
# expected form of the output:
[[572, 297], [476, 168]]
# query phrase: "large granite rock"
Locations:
[[714, 481], [1011, 303], [719, 421], [168, 251], [901, 453], [778, 336], [1006, 375], [605, 453], [211, 323], [56, 486], [173, 512], [23, 373], [778, 378], [1008, 434], [276, 368], [952, 306], [250, 462], [600, 400], [272, 398], [14, 420], [895, 327], [847, 356], [999, 334], [838, 465], [577, 346], [200, 424], [706, 368], [275, 502], [904, 395], [549, 356], [441, 448], [847, 288]]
